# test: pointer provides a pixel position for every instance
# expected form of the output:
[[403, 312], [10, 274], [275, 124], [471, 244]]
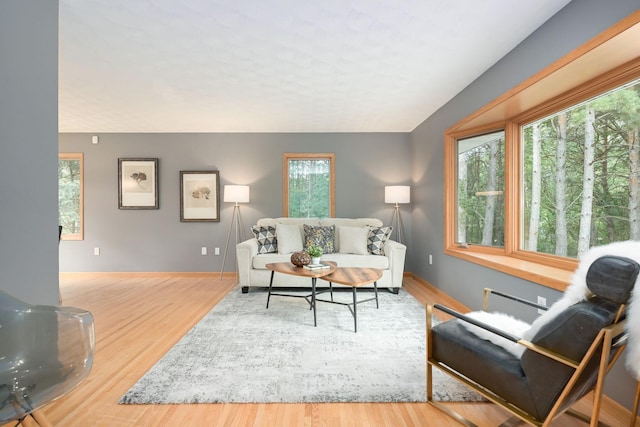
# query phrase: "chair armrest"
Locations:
[[477, 323], [489, 291]]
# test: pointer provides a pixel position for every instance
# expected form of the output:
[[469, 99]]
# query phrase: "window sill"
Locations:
[[552, 277]]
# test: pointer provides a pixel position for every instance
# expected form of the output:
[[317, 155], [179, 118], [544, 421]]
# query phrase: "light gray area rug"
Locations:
[[244, 353]]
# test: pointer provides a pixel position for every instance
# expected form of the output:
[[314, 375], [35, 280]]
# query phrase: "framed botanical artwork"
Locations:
[[199, 196], [138, 184]]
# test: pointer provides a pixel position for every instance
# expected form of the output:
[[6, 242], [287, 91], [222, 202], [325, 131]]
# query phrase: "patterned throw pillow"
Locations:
[[322, 236], [378, 236], [266, 236]]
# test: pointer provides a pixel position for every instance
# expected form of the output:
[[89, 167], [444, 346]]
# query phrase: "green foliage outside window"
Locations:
[[481, 190], [70, 195], [309, 188], [580, 179], [581, 175]]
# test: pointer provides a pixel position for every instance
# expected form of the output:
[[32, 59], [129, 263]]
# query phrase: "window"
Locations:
[[480, 190], [308, 185], [552, 167], [70, 195], [587, 156]]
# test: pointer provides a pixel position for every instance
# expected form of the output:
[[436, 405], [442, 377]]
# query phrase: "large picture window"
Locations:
[[308, 185], [581, 176], [552, 167], [70, 195]]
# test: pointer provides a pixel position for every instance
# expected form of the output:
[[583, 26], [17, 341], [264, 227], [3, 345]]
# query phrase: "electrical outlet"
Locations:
[[542, 301], [216, 251], [203, 251], [430, 259], [96, 251]]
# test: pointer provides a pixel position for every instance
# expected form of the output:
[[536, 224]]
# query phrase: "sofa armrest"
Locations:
[[245, 251], [396, 253]]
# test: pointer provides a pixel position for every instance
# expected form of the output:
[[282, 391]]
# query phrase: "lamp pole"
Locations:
[[236, 194], [396, 222], [236, 222]]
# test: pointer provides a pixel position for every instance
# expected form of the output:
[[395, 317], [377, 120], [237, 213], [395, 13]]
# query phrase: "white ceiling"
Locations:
[[277, 65]]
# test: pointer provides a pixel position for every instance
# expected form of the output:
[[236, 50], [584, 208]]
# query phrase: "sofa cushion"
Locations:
[[378, 236], [319, 235], [348, 222], [260, 261], [353, 240], [289, 221], [289, 238], [266, 237]]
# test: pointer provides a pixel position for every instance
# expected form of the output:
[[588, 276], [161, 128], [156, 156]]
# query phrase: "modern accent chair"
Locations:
[[45, 351], [567, 357]]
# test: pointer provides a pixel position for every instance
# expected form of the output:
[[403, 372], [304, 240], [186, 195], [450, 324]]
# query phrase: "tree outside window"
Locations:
[[571, 165], [480, 192], [70, 195], [308, 185], [581, 172], [579, 183]]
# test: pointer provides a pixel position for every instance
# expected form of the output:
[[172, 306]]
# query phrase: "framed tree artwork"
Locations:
[[199, 196], [138, 184]]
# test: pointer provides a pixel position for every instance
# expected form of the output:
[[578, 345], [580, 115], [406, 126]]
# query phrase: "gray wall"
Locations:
[[156, 240], [28, 163], [577, 23]]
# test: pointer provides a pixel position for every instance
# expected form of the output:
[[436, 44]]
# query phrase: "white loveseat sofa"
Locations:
[[350, 249]]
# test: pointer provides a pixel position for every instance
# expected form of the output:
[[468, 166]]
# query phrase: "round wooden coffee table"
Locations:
[[288, 268]]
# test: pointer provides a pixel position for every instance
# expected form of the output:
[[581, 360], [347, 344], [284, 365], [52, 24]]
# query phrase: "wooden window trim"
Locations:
[[603, 63], [609, 50], [305, 156], [76, 156]]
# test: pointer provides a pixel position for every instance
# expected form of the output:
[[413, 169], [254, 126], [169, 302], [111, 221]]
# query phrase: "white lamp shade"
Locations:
[[397, 194], [236, 193]]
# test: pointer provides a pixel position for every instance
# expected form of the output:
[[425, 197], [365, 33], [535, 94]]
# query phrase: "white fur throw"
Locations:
[[502, 321]]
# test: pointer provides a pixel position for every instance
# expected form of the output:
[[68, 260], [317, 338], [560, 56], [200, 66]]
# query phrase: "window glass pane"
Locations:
[[70, 195], [480, 199], [309, 188], [581, 176]]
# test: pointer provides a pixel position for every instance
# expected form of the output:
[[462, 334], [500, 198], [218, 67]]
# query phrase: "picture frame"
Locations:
[[199, 196], [138, 183]]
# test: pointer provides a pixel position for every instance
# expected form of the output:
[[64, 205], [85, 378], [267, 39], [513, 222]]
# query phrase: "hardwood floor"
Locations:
[[140, 317]]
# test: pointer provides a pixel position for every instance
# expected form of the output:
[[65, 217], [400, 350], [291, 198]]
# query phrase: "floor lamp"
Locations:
[[397, 194], [235, 194]]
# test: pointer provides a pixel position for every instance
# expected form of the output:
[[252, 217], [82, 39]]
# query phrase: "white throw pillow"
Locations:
[[289, 238], [353, 240]]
